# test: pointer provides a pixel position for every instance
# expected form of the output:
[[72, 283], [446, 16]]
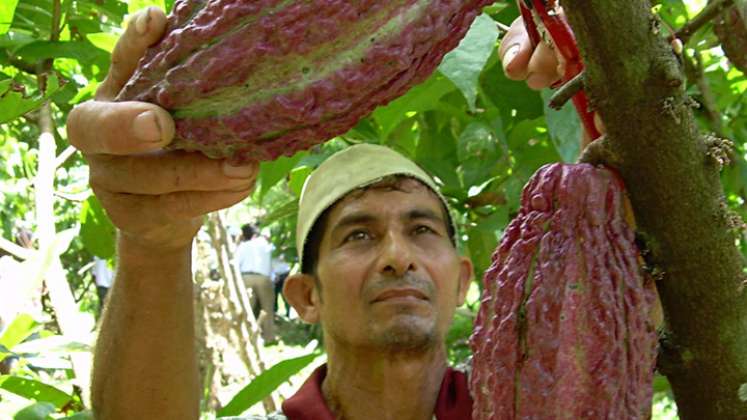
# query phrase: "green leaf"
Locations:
[[36, 411], [83, 51], [422, 97], [53, 344], [514, 99], [34, 390], [437, 154], [564, 127], [481, 244], [103, 40], [477, 152], [169, 5], [464, 65], [5, 85], [298, 178], [265, 383], [85, 26], [135, 5], [279, 212], [97, 232], [13, 104], [20, 329], [477, 141], [270, 173], [7, 10]]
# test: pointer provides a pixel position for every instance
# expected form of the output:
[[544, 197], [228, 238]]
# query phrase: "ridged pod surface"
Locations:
[[257, 79], [564, 328], [731, 29]]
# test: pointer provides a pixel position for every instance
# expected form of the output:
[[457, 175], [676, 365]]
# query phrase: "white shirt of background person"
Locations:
[[255, 256], [101, 272]]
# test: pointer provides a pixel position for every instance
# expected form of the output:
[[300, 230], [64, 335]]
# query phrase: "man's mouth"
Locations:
[[404, 295]]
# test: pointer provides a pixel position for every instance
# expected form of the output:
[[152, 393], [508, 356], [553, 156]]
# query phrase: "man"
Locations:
[[372, 283], [254, 262]]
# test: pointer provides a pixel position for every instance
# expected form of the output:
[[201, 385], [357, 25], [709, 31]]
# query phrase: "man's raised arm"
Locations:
[[145, 365]]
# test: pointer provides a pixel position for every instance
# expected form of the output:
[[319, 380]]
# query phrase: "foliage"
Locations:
[[480, 134]]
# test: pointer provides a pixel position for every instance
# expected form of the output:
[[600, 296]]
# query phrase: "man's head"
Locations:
[[380, 268], [247, 232]]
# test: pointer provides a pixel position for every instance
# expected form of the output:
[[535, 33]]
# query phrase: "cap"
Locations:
[[348, 170]]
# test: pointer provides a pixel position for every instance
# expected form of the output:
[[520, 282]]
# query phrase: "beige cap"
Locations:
[[346, 171]]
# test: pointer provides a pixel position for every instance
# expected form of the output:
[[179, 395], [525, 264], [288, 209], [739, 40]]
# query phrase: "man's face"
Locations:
[[390, 276]]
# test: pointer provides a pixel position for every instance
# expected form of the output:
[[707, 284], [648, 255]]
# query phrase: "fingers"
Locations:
[[166, 173], [144, 29], [145, 215], [539, 66], [515, 51], [119, 128], [542, 70]]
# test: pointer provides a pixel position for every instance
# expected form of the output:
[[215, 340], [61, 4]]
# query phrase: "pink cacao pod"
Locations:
[[564, 328], [257, 79]]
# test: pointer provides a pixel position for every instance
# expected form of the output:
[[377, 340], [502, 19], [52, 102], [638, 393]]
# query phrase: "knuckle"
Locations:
[[73, 126], [180, 206]]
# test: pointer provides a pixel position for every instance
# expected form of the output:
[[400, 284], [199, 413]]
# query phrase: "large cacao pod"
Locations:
[[731, 29], [257, 79], [563, 330]]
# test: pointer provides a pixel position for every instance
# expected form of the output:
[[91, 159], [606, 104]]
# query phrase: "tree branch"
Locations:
[[16, 250], [710, 12], [64, 156], [696, 75], [636, 85], [567, 91]]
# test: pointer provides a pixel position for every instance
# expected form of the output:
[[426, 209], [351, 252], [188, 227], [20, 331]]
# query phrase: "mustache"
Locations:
[[407, 281]]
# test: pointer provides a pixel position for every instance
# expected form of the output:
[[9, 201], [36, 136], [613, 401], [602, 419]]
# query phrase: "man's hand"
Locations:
[[156, 198], [539, 66]]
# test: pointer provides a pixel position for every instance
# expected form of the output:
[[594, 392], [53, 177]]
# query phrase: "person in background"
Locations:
[[104, 278], [280, 271], [254, 261]]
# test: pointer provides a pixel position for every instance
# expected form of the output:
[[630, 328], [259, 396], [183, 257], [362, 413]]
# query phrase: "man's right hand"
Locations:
[[156, 198]]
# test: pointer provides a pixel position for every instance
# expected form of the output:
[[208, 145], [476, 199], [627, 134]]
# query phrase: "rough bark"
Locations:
[[246, 325], [637, 86]]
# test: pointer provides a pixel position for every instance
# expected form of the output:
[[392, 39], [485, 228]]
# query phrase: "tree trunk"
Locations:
[[73, 325], [245, 324], [672, 174]]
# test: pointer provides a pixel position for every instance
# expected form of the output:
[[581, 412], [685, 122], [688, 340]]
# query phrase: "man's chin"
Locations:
[[406, 335]]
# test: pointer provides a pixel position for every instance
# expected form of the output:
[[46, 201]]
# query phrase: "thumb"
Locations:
[[515, 51]]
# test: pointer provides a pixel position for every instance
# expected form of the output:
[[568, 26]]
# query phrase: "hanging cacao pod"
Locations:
[[564, 328], [257, 79], [731, 30]]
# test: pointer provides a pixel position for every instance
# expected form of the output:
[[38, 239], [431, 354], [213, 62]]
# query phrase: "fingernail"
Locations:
[[146, 127], [142, 21], [508, 57], [240, 171]]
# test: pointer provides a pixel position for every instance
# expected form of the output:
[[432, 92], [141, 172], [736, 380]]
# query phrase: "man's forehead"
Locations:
[[417, 199]]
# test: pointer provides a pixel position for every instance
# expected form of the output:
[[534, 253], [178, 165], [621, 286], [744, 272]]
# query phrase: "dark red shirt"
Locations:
[[454, 401]]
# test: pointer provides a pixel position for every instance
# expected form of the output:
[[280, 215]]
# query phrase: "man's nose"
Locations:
[[396, 256]]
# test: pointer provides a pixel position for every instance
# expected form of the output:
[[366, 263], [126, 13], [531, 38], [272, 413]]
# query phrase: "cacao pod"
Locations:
[[257, 79], [564, 328], [731, 29]]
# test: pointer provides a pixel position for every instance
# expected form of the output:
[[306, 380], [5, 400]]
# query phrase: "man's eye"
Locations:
[[420, 229], [358, 235]]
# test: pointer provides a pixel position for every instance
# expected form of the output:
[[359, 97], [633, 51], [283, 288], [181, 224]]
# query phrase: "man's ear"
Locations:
[[301, 292], [465, 278]]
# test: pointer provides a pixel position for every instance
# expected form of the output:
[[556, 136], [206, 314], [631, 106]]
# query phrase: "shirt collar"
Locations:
[[454, 401]]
